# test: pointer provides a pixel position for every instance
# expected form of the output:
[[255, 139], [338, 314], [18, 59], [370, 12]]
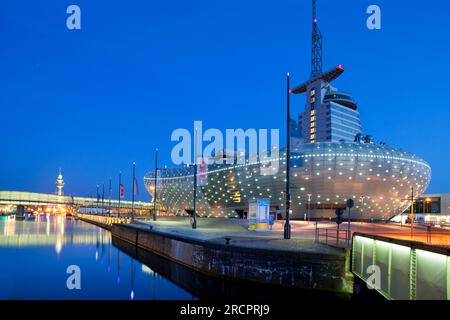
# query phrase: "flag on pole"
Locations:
[[202, 174], [122, 191]]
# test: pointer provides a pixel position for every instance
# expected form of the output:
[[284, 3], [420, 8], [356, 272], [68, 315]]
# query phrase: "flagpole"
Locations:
[[110, 194], [120, 190], [132, 196], [103, 198], [98, 199], [156, 179]]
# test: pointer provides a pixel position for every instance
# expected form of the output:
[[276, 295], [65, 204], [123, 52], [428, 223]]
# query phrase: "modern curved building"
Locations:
[[331, 161], [378, 178]]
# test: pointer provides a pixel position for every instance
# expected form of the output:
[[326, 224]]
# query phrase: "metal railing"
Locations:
[[401, 269], [332, 236], [104, 219]]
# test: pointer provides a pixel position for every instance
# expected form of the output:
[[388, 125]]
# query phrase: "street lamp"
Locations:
[[309, 206], [134, 190], [154, 191], [427, 200], [287, 226], [411, 214], [425, 205], [194, 218]]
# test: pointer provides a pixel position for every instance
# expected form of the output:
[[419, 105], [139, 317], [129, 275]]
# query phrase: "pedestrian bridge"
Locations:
[[17, 198]]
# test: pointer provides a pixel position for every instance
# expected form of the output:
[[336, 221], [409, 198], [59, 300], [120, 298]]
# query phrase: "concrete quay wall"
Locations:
[[303, 270]]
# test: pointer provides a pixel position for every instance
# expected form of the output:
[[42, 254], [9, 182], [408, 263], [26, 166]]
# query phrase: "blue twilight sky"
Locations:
[[93, 100]]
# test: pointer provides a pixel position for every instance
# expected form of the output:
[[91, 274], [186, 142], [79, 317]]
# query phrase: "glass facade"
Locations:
[[426, 205], [342, 123], [329, 116]]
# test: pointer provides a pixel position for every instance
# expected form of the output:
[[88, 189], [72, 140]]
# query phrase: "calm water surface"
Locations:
[[35, 255]]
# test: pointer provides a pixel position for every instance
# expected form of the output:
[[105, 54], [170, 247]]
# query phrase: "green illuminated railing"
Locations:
[[400, 269]]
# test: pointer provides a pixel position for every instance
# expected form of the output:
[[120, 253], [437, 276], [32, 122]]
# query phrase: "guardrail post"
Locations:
[[362, 259], [412, 274], [448, 278], [389, 271], [374, 253]]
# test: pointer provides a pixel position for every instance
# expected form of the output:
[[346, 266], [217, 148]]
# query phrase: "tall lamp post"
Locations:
[[156, 180], [309, 206], [287, 225], [133, 191], [411, 212], [194, 218], [425, 205], [120, 193]]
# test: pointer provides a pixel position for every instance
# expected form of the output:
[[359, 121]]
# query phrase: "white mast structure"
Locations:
[[60, 184]]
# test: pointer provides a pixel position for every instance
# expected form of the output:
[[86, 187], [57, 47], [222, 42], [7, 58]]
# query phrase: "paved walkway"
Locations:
[[303, 232], [216, 230]]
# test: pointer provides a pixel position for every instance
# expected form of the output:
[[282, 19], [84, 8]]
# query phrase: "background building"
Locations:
[[431, 208], [330, 115]]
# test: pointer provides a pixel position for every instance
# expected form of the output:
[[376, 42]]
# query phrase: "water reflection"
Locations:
[[34, 256], [50, 230]]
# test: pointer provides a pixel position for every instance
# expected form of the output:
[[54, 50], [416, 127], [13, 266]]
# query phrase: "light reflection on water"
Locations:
[[34, 256]]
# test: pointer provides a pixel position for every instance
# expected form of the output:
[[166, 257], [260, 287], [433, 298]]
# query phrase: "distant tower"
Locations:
[[60, 184], [316, 50]]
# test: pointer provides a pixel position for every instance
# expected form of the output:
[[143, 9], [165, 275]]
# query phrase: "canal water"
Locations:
[[35, 257]]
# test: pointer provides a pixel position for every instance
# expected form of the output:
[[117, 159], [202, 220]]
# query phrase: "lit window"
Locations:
[[312, 92], [312, 136], [313, 124], [313, 112], [313, 130], [313, 118]]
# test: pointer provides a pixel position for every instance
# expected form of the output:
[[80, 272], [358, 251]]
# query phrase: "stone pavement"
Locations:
[[216, 230], [303, 233]]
